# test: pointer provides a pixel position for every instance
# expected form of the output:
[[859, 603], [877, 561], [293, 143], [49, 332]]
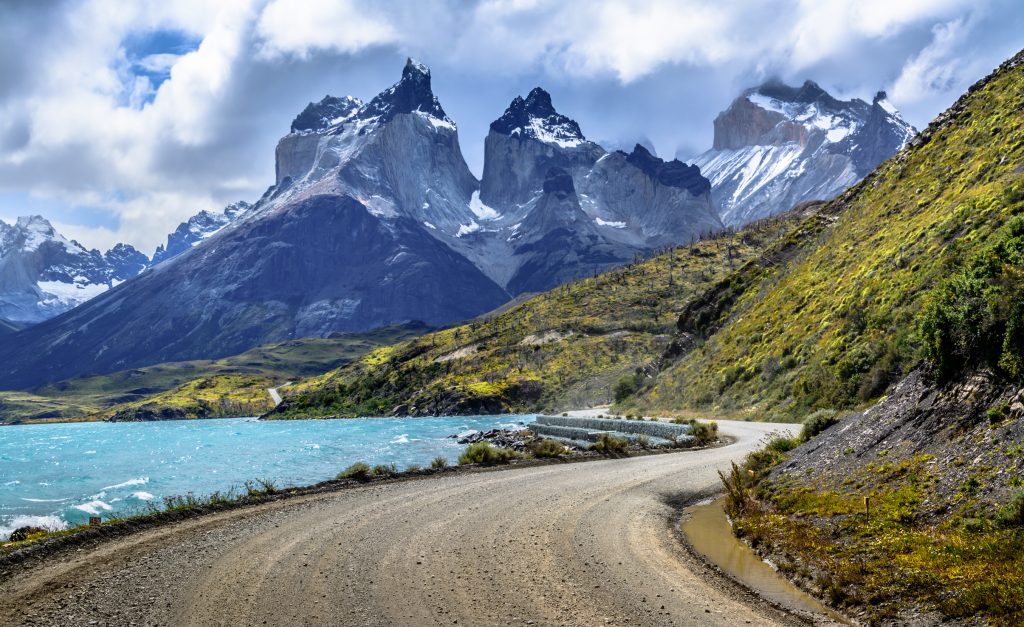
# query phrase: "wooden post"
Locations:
[[94, 520], [867, 506]]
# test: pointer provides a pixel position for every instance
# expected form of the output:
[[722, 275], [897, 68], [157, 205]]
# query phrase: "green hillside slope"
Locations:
[[566, 348], [839, 324]]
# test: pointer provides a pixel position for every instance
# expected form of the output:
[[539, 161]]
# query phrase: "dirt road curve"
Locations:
[[575, 544]]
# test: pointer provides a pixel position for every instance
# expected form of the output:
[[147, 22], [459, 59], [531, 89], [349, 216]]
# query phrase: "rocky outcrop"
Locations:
[[777, 146]]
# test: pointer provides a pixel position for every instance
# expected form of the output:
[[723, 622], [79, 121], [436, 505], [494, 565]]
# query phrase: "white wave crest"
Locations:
[[50, 523], [93, 507], [129, 483]]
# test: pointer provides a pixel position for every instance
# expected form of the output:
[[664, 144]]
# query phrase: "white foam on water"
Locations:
[[401, 439], [50, 523], [94, 507], [143, 496], [130, 482], [45, 500]]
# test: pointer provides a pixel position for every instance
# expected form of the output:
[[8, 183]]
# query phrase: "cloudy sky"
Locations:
[[120, 119]]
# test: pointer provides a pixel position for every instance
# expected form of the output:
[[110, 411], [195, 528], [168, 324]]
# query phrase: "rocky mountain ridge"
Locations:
[[777, 146], [43, 274]]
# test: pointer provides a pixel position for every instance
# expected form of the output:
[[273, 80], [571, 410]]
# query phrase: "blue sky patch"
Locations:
[[151, 55]]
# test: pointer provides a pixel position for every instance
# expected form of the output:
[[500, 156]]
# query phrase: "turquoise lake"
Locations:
[[58, 475]]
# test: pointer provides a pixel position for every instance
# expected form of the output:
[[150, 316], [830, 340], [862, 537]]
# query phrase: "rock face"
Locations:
[[373, 219], [777, 146], [565, 207], [43, 274]]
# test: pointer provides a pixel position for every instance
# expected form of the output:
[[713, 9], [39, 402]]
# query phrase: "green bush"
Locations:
[[625, 387], [608, 444], [817, 422], [484, 453], [546, 448], [998, 413], [438, 463], [976, 317], [1012, 515], [385, 470], [359, 471], [705, 433]]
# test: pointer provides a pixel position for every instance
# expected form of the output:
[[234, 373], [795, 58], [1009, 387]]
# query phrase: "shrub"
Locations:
[[438, 463], [547, 448], [998, 413], [412, 468], [1012, 515], [385, 470], [359, 471], [260, 487], [626, 387], [484, 453], [643, 441], [608, 444], [817, 422], [976, 316], [704, 433]]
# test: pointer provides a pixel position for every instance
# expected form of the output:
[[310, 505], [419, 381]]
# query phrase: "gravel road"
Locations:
[[574, 544]]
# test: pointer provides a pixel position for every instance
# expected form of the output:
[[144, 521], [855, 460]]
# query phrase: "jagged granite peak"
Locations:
[[673, 173], [777, 145], [125, 261], [44, 274], [196, 229], [535, 117], [412, 93], [319, 116]]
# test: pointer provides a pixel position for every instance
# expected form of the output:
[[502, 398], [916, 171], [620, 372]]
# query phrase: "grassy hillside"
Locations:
[[840, 323], [229, 386], [568, 347]]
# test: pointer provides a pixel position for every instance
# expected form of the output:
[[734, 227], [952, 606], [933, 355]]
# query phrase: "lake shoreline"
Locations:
[[14, 558]]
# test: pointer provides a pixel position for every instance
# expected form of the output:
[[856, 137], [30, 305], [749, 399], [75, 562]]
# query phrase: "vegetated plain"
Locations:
[[232, 386]]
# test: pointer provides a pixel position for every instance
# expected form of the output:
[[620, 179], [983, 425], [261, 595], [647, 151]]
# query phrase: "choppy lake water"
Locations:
[[58, 475]]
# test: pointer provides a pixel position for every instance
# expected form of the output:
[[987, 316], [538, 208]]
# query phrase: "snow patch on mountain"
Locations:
[[481, 210], [776, 146]]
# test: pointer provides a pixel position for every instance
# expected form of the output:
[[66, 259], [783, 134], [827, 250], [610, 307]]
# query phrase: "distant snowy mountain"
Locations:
[[43, 274], [776, 146], [199, 227]]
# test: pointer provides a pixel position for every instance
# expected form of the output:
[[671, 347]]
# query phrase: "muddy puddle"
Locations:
[[708, 531]]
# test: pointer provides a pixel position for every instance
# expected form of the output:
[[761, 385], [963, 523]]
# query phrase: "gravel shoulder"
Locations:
[[571, 544]]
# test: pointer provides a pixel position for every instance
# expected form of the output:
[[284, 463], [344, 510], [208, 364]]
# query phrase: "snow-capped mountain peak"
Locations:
[[199, 227], [535, 117], [43, 274], [776, 146], [330, 111], [411, 94]]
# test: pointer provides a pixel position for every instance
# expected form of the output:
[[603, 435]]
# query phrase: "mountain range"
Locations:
[[374, 219]]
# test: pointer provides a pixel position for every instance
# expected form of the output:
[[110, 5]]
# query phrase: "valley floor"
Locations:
[[571, 544]]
